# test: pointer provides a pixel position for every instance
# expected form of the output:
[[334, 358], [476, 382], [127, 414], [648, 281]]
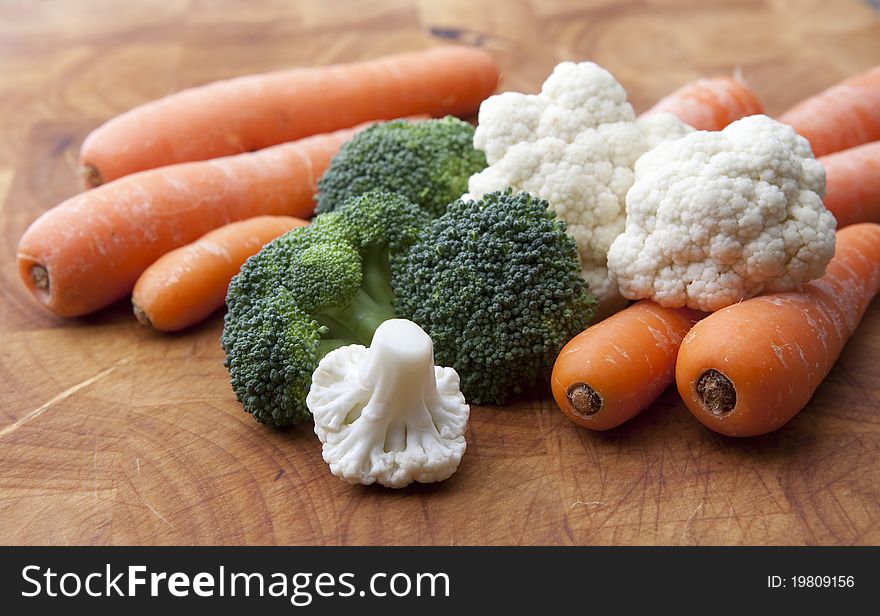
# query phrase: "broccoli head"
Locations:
[[496, 284], [429, 162], [271, 350], [308, 292]]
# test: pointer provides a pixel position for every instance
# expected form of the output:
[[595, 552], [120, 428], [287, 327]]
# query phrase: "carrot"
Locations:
[[710, 104], [612, 370], [749, 368], [852, 191], [88, 251], [189, 283], [843, 116], [256, 111]]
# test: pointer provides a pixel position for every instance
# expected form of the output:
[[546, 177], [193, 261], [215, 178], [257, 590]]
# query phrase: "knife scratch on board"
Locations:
[[30, 416]]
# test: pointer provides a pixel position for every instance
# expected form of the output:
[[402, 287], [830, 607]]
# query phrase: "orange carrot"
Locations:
[[749, 368], [609, 372], [88, 251], [256, 111], [843, 116], [710, 104], [852, 190], [189, 283]]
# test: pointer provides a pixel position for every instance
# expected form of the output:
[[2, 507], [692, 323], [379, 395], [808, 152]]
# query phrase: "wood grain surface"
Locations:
[[114, 434]]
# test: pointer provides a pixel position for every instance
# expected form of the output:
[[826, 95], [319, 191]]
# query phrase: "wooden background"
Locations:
[[111, 433]]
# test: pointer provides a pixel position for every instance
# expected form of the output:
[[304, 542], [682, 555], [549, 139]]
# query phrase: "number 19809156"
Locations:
[[811, 581]]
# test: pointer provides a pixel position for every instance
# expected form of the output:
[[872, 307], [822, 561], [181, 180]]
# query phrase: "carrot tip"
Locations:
[[584, 400], [141, 316], [716, 392], [40, 277], [91, 176]]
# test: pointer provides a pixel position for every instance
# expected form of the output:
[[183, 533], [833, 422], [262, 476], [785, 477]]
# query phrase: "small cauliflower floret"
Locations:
[[573, 145], [386, 413], [717, 217]]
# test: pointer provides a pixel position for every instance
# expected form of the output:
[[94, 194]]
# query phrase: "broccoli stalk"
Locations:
[[356, 322]]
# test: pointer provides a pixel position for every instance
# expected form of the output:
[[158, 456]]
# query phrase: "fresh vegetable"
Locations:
[[717, 217], [427, 162], [187, 284], [87, 252], [710, 104], [253, 112], [843, 116], [494, 283], [574, 145], [614, 369], [852, 185], [748, 369], [386, 413], [310, 291]]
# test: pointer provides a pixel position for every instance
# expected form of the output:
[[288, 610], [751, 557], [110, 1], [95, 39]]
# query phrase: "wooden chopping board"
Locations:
[[113, 434]]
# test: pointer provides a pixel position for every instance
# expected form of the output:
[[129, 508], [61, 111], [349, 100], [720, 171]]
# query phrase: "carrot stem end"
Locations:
[[584, 400], [40, 277], [141, 316], [716, 392], [90, 176]]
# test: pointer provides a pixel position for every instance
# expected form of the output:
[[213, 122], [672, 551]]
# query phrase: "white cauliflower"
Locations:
[[717, 217], [573, 145], [387, 414]]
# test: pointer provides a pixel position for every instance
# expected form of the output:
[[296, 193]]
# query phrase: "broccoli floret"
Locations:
[[429, 162], [308, 292], [271, 350], [496, 284]]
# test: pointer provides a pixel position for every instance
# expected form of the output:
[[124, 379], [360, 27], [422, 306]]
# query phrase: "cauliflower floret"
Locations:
[[717, 217], [387, 414], [573, 145]]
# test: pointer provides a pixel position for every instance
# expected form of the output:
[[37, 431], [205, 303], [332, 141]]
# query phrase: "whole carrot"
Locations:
[[852, 184], [189, 283], [256, 111], [843, 116], [616, 368], [749, 368], [710, 104], [88, 251]]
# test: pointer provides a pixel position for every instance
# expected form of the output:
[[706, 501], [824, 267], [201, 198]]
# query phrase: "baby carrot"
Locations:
[[256, 111], [88, 251], [612, 370], [189, 283], [749, 368], [852, 189], [843, 116], [710, 104]]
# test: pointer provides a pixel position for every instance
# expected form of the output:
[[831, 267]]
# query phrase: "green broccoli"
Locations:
[[495, 283], [271, 348], [313, 289], [429, 162]]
